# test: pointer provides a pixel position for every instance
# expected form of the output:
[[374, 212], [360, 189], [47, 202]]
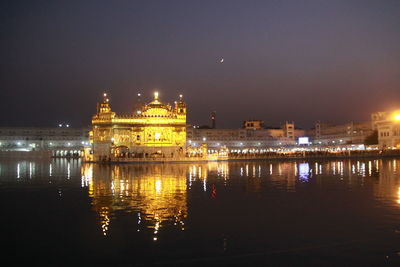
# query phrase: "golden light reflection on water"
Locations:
[[398, 195], [135, 205], [158, 194], [387, 187]]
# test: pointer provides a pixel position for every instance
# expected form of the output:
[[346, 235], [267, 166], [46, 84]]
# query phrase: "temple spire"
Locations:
[[105, 105]]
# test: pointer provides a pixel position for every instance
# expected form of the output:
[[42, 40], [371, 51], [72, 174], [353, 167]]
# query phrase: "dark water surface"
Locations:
[[64, 212]]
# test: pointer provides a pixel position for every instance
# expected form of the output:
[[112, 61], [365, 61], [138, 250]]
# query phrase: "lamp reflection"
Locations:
[[387, 187], [157, 195], [304, 172]]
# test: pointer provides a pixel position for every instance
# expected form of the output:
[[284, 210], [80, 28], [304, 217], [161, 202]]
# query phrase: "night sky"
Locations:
[[334, 61]]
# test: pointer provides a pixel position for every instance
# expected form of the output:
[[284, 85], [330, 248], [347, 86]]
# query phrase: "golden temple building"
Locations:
[[151, 130]]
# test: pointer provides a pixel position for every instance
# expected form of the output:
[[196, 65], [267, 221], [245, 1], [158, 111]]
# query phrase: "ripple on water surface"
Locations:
[[277, 212]]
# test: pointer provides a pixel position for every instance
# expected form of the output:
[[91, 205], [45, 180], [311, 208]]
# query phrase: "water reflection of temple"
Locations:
[[156, 193]]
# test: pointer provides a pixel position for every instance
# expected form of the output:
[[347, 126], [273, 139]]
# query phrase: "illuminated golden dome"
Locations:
[[156, 108]]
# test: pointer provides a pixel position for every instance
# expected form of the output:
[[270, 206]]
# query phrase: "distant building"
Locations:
[[387, 125], [349, 133], [61, 141], [253, 124], [252, 135], [231, 138], [288, 130]]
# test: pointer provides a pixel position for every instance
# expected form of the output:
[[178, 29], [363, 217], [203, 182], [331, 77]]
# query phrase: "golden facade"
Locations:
[[152, 130]]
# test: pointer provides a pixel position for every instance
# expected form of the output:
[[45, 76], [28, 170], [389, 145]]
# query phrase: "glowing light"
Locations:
[[158, 186], [304, 171], [30, 170], [68, 171], [157, 136], [397, 117], [156, 95], [303, 141], [398, 195]]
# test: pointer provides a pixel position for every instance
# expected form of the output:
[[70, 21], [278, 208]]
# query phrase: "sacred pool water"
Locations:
[[64, 212]]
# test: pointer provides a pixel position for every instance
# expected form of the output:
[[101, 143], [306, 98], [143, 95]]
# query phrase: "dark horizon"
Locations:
[[298, 61]]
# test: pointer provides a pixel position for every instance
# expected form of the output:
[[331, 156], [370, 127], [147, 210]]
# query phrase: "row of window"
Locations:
[[383, 134]]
